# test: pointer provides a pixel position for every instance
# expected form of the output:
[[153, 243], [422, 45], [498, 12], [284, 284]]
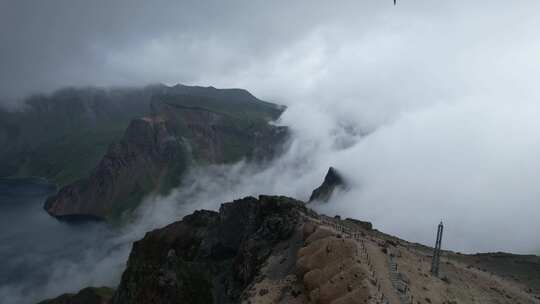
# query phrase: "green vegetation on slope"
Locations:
[[69, 157], [108, 168], [62, 136]]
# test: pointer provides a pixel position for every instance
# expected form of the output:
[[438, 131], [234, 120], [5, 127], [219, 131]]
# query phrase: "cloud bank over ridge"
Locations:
[[446, 91]]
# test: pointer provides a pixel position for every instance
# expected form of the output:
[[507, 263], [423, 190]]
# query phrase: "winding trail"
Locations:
[[398, 273]]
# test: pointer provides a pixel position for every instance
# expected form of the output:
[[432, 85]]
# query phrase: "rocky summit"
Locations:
[[273, 249], [214, 257]]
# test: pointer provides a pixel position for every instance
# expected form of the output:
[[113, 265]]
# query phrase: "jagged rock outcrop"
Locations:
[[182, 130], [209, 257], [147, 158], [332, 182], [89, 295]]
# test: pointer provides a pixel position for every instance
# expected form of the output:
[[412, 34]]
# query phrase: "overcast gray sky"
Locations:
[[267, 45], [48, 44], [447, 88]]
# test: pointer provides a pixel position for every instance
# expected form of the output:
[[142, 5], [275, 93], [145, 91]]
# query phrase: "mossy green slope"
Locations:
[[185, 126]]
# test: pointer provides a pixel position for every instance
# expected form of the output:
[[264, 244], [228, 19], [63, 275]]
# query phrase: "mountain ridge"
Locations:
[[156, 149], [62, 135], [274, 249]]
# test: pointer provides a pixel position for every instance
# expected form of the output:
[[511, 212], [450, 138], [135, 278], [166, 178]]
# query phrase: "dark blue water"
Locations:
[[40, 256]]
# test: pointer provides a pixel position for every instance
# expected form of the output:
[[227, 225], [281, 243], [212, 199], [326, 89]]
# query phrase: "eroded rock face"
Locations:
[[157, 149], [144, 161], [208, 257], [332, 181]]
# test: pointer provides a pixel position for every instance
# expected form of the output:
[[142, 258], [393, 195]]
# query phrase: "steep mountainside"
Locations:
[[210, 257], [275, 250], [215, 126], [148, 156], [62, 136]]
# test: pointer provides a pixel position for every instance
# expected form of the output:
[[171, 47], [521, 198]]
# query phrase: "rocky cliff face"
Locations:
[[332, 182], [63, 135], [210, 257], [148, 156], [181, 131], [274, 250]]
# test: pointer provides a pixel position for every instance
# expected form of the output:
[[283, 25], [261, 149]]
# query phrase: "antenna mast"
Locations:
[[437, 251]]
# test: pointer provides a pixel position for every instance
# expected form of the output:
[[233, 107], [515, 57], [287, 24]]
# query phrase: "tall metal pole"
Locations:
[[437, 251]]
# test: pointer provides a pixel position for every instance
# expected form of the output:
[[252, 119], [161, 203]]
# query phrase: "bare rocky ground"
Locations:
[[274, 249], [331, 268]]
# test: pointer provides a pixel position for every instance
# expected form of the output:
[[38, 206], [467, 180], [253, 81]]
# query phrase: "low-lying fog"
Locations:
[[404, 177]]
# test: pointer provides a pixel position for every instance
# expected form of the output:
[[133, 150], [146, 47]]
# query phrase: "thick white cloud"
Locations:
[[446, 91]]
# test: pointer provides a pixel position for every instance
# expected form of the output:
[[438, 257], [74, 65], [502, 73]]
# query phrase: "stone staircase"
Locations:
[[401, 288], [399, 285], [363, 255]]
